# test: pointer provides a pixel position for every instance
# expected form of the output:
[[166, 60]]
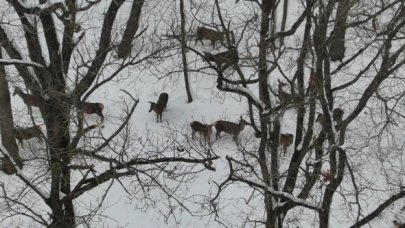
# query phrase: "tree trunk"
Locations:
[[284, 20], [7, 123], [266, 9], [183, 51], [337, 48], [56, 117], [125, 47]]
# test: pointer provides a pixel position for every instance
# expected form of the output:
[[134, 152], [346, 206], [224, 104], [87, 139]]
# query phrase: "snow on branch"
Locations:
[[246, 92], [17, 56], [87, 184], [18, 61], [44, 195], [21, 175], [284, 195], [33, 7]]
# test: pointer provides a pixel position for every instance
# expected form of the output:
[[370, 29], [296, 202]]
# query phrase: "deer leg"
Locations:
[[100, 114], [29, 110], [21, 143], [236, 139]]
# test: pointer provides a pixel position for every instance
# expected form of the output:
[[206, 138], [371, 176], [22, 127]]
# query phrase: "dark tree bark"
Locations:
[[183, 52], [284, 19], [337, 47], [125, 47], [7, 123], [310, 156]]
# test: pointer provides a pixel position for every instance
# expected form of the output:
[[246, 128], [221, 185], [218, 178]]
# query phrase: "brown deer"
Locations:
[[321, 119], [27, 133], [312, 83], [209, 34], [159, 106], [338, 115], [398, 224], [284, 97], [231, 128], [91, 108], [29, 100], [328, 175], [399, 219], [285, 141], [204, 130], [224, 59]]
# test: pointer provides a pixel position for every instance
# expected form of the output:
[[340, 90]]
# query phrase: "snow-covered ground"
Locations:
[[124, 208]]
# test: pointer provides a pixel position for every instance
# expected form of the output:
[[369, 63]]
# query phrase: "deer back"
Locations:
[[29, 100], [28, 133], [201, 128], [161, 104], [286, 140], [284, 97], [162, 101], [90, 108], [321, 119], [227, 57], [338, 114], [209, 34], [197, 126], [226, 126]]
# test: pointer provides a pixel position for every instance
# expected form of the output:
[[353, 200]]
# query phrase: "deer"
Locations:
[[204, 130], [284, 97], [231, 128], [321, 119], [27, 133], [285, 141], [29, 99], [226, 58], [312, 83], [398, 224], [159, 106], [338, 115], [209, 34], [91, 108], [399, 219]]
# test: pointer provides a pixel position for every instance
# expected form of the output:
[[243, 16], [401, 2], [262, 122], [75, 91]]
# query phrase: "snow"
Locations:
[[145, 82], [17, 61]]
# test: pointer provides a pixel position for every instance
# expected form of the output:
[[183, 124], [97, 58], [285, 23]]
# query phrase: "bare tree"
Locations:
[[321, 159], [183, 51], [60, 65]]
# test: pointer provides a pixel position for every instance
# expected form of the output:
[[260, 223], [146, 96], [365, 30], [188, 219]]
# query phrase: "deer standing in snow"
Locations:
[[231, 128], [204, 130], [159, 106], [27, 133]]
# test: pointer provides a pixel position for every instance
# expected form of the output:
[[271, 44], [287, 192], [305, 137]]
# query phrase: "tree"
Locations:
[[321, 163], [60, 65], [183, 51]]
